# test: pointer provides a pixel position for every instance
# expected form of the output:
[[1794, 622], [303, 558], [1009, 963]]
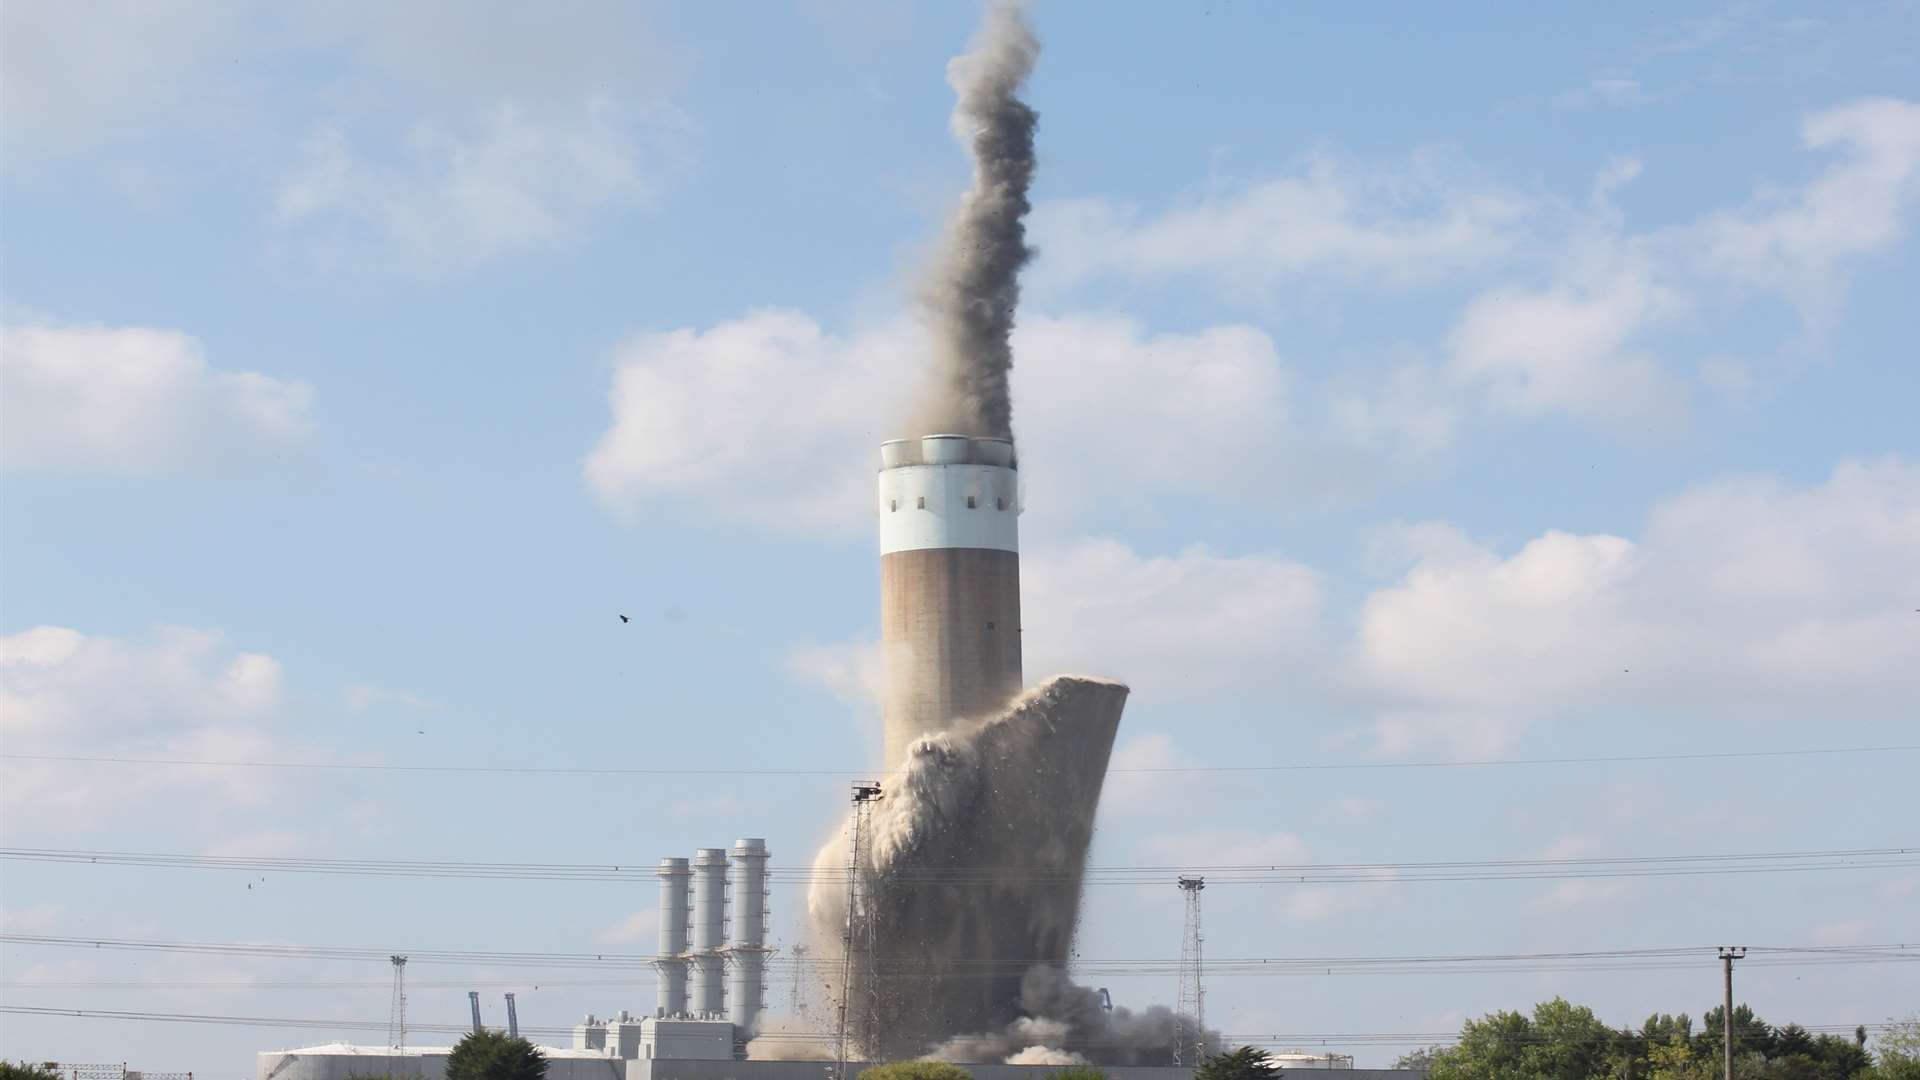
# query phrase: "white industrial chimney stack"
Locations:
[[949, 583], [707, 957], [671, 960], [746, 990]]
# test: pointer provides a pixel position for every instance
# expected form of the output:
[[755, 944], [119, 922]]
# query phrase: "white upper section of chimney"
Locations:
[[948, 491]]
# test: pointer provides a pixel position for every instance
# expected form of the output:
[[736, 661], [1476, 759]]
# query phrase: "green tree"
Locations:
[[1246, 1063], [1559, 1041], [1896, 1050], [916, 1070], [1675, 1060], [46, 1070], [1075, 1072], [1751, 1035], [493, 1055], [1421, 1059]]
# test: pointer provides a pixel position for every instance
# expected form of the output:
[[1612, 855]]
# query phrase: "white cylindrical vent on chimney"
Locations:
[[708, 992], [670, 959], [944, 449], [897, 452], [746, 990], [992, 452]]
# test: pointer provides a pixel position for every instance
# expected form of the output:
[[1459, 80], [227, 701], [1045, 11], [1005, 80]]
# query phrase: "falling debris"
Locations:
[[978, 850]]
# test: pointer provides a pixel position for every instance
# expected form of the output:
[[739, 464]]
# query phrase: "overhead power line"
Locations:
[[1376, 873], [1341, 766], [1344, 1038], [1587, 960]]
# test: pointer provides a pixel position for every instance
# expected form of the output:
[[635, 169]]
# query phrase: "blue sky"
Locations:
[[1417, 384]]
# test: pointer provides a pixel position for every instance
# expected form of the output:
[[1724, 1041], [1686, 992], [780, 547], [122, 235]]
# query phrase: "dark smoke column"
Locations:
[[975, 287], [949, 584]]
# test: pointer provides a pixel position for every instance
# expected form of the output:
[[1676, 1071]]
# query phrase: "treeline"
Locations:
[[1560, 1041]]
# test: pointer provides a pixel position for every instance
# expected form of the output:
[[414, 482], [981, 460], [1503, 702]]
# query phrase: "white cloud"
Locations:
[[768, 419], [1570, 349], [641, 927], [1744, 595], [1842, 932], [439, 135], [361, 697], [1613, 89], [451, 197], [853, 671], [1134, 782], [74, 77], [464, 134], [1353, 808], [1579, 345], [1407, 412], [260, 844], [773, 420], [463, 50], [1214, 412], [1172, 626], [1331, 220], [133, 399], [36, 918], [178, 693], [1793, 242], [1203, 412], [1571, 328]]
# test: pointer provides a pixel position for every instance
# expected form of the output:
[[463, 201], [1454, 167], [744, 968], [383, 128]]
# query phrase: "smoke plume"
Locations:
[[975, 285], [1066, 1024]]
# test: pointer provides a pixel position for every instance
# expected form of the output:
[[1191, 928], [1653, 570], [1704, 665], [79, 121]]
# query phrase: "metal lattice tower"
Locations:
[[397, 1015], [859, 930], [1190, 1006]]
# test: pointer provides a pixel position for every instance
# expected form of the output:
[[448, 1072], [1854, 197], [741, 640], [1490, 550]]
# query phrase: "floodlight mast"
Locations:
[[858, 926]]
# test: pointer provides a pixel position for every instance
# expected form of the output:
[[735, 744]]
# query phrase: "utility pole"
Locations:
[[1728, 954], [1190, 1007], [513, 1018], [864, 796], [397, 1015], [473, 1002]]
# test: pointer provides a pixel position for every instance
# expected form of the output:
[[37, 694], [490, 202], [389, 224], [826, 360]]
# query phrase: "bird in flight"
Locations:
[[624, 619]]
